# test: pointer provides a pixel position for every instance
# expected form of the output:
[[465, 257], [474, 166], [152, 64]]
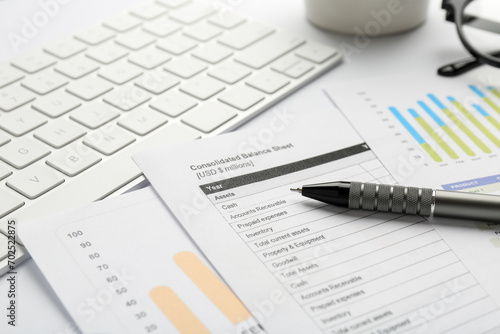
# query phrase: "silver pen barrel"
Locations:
[[424, 201], [467, 206]]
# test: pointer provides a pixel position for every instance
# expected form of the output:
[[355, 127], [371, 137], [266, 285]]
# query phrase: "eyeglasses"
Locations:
[[478, 26]]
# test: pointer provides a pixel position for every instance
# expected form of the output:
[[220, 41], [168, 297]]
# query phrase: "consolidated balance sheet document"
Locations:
[[301, 266]]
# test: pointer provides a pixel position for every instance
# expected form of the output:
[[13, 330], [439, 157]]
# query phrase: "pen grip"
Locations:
[[387, 198]]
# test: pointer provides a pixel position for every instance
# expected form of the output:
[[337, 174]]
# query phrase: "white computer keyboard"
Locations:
[[163, 72]]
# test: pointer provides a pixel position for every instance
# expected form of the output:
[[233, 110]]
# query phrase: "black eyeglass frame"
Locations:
[[455, 13]]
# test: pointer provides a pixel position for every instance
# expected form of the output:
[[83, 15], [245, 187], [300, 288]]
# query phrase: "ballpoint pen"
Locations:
[[408, 200]]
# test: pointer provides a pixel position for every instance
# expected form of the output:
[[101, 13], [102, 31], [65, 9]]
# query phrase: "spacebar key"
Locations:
[[269, 49]]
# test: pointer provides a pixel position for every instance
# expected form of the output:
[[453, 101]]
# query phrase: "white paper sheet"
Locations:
[[304, 267], [124, 265]]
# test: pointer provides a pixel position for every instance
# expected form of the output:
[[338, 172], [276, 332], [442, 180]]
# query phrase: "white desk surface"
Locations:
[[422, 50]]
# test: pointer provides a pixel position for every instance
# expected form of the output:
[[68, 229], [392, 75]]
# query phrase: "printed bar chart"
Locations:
[[447, 129], [450, 128], [416, 135]]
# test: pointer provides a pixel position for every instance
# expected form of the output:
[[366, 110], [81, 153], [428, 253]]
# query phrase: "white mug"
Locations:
[[371, 17]]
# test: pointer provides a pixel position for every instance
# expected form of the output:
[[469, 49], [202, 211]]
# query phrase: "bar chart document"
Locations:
[[429, 130], [124, 265], [301, 266]]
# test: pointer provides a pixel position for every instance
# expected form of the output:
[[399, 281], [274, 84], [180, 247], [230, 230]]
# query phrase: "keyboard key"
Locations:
[[44, 82], [268, 81], [185, 67], [122, 22], [226, 19], [89, 88], [4, 172], [209, 116], [202, 31], [73, 159], [4, 139], [120, 73], [76, 68], [56, 104], [34, 62], [8, 203], [299, 70], [94, 115], [176, 44], [157, 81], [292, 66], [22, 121], [229, 72], [142, 121], [284, 63], [12, 97], [149, 58], [22, 152], [35, 181], [135, 39], [202, 87], [241, 97], [173, 103], [127, 98], [147, 11], [59, 133], [109, 141], [107, 53], [315, 52], [212, 53], [192, 12], [173, 3], [9, 74], [245, 34], [269, 49], [161, 26], [66, 48], [95, 35]]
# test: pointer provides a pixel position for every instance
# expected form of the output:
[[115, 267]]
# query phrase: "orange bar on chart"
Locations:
[[176, 311], [212, 287]]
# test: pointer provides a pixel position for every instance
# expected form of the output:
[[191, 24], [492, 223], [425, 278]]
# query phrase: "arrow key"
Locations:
[[35, 181]]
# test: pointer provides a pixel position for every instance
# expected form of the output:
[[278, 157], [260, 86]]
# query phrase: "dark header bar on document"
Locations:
[[266, 174]]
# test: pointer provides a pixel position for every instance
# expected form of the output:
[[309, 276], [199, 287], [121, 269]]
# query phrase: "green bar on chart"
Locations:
[[459, 123], [416, 135], [447, 129], [433, 134], [474, 121], [495, 91], [486, 115], [485, 98]]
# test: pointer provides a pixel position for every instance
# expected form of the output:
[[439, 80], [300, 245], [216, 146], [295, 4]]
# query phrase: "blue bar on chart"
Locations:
[[421, 141]]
